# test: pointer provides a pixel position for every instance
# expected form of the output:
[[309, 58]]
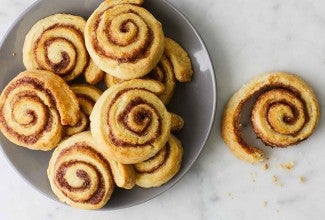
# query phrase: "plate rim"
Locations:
[[186, 170]]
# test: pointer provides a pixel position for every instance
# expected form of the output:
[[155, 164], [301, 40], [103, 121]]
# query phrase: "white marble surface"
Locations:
[[244, 38]]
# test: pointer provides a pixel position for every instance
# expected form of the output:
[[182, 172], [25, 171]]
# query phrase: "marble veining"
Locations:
[[244, 38]]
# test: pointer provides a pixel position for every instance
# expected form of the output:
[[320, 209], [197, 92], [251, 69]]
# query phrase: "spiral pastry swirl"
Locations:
[[56, 44], [130, 122], [162, 167], [79, 174], [285, 113], [124, 39], [34, 106], [87, 96]]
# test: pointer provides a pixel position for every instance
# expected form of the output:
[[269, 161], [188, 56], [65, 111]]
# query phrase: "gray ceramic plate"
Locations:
[[195, 101]]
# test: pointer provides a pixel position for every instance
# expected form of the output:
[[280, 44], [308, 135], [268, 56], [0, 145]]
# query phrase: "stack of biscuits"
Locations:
[[101, 139]]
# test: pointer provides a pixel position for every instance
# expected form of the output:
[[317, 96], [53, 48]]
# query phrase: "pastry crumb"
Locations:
[[287, 166], [14, 54], [302, 179], [276, 181], [264, 203], [230, 195], [253, 176], [266, 166]]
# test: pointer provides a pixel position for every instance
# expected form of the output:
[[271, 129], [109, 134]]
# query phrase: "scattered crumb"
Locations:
[[266, 166], [253, 176], [264, 203], [302, 179], [276, 181], [230, 195], [267, 158], [13, 54], [287, 166]]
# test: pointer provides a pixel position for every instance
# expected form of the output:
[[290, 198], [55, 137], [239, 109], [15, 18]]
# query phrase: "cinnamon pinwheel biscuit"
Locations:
[[130, 122], [87, 96], [56, 43], [285, 113], [79, 174], [34, 107], [124, 39], [162, 167]]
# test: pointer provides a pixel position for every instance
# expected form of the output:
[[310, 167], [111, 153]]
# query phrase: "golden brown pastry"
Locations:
[[164, 73], [124, 39], [93, 74], [79, 174], [174, 63], [285, 113], [130, 122], [87, 96], [34, 106], [179, 60], [82, 125], [110, 80], [177, 122], [162, 167], [124, 174], [56, 44]]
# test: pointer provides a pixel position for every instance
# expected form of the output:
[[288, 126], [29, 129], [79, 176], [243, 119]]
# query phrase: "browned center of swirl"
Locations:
[[286, 119], [125, 27], [80, 173], [142, 116], [61, 67]]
